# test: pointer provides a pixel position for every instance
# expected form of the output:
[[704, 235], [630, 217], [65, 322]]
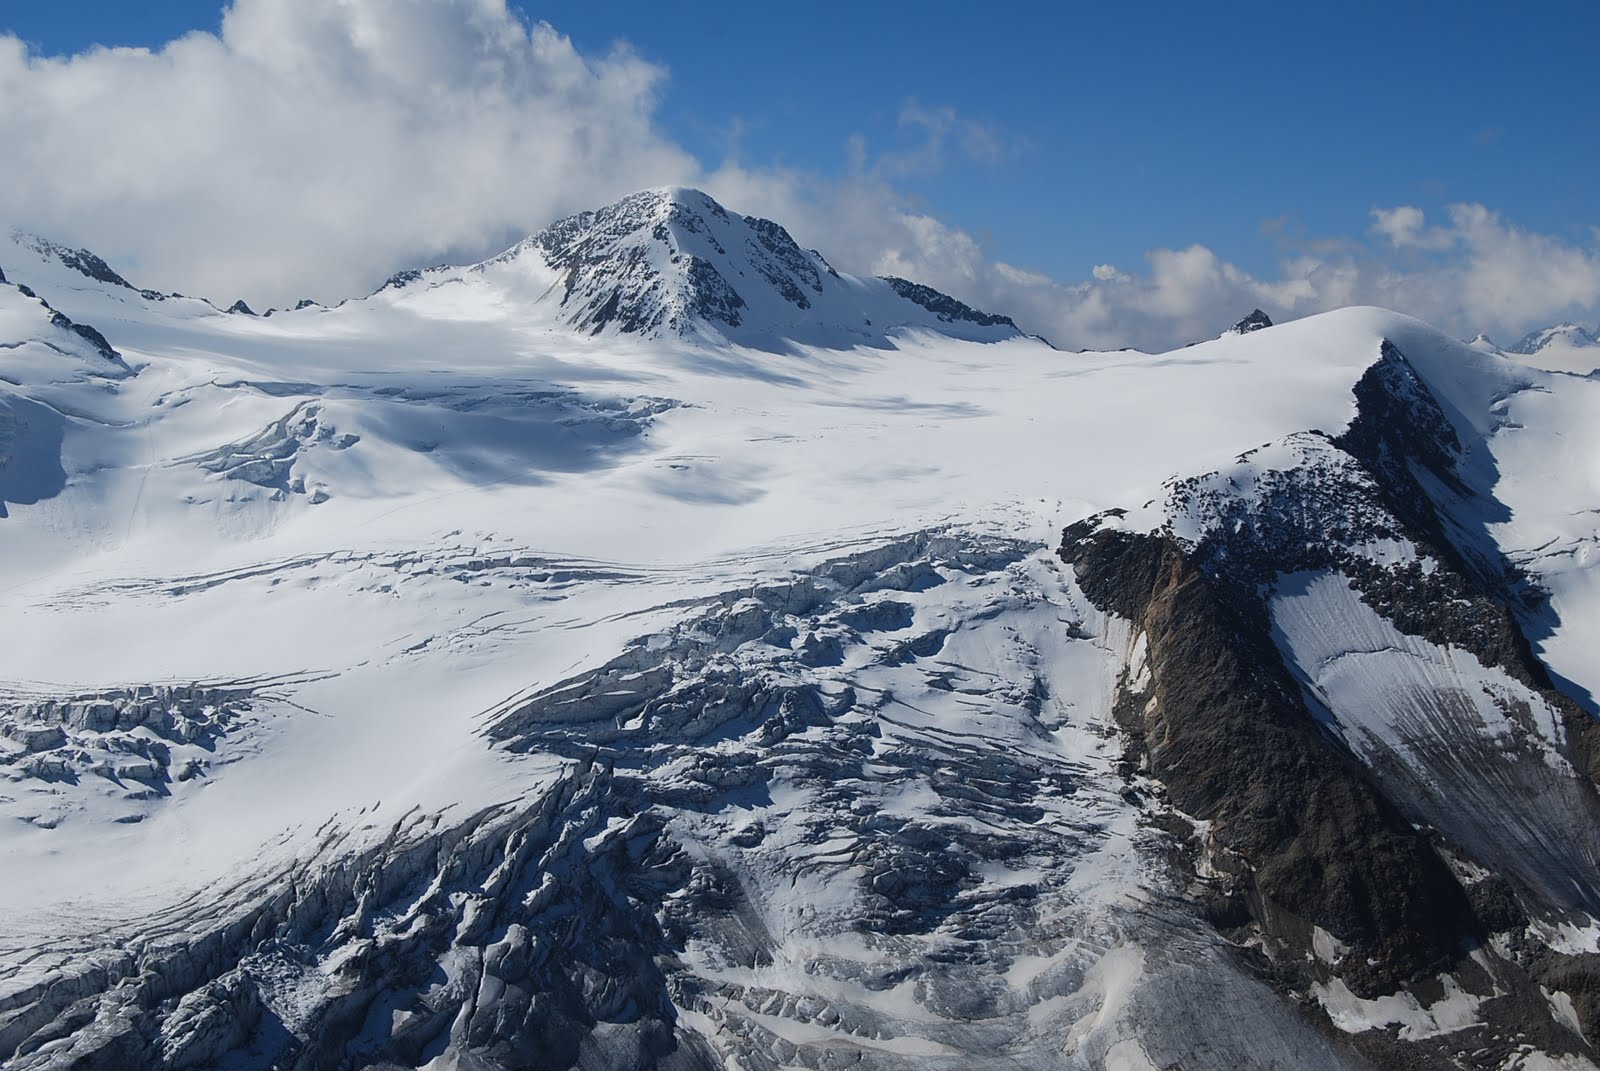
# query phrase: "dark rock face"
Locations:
[[89, 334], [944, 306], [241, 308], [400, 279], [1254, 322], [1319, 822], [87, 263], [797, 269], [1229, 735], [714, 298]]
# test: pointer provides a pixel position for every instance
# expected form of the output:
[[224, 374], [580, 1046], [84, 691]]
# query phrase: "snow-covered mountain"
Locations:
[[673, 262], [436, 681], [1561, 348]]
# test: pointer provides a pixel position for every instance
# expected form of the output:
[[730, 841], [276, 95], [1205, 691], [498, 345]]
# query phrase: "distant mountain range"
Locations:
[[1566, 347]]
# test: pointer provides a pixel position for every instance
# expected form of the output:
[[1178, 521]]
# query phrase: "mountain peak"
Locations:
[[672, 262], [1256, 321], [1566, 336], [51, 258], [81, 261]]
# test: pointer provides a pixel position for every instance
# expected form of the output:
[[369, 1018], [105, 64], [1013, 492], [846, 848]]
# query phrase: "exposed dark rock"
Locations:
[[85, 263], [1253, 322], [1229, 735], [797, 266], [240, 307], [608, 282], [89, 335], [714, 298], [1322, 838], [82, 261], [944, 306], [399, 279]]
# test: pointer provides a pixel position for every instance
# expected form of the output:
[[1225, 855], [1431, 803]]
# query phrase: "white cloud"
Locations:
[[1510, 275], [1477, 273], [316, 145], [1403, 227], [1024, 277]]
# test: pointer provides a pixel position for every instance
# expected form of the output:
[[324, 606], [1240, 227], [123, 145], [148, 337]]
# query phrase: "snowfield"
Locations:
[[413, 585]]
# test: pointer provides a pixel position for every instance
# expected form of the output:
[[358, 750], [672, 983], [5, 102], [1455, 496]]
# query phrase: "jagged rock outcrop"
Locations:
[[1362, 763], [947, 308], [1253, 322], [673, 263]]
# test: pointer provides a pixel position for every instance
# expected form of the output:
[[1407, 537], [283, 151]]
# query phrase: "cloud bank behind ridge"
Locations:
[[315, 146]]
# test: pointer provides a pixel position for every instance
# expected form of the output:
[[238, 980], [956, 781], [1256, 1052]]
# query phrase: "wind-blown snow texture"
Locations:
[[649, 648]]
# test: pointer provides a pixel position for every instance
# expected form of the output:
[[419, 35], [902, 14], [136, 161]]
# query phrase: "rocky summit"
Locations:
[[673, 263]]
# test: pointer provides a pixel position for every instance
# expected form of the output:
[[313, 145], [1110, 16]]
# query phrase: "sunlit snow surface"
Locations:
[[338, 547]]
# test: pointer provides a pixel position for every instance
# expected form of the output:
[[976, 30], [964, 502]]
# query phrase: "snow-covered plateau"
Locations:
[[651, 648]]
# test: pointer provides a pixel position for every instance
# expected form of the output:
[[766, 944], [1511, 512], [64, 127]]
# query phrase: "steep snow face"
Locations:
[[675, 263], [1473, 751]]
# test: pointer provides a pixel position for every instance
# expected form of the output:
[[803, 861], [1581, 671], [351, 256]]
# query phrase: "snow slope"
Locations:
[[353, 656]]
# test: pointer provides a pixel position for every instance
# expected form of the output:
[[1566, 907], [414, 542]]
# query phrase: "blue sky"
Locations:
[[1128, 126], [1064, 136]]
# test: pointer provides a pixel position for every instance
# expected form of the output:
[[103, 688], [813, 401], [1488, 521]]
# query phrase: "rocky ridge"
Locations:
[[673, 263], [1369, 833]]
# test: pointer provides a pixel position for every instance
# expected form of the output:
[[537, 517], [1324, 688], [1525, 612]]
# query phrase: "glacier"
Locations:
[[652, 648]]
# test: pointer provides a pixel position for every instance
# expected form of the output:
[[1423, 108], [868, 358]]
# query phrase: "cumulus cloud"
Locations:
[[1476, 272], [313, 146], [1403, 227], [317, 144]]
